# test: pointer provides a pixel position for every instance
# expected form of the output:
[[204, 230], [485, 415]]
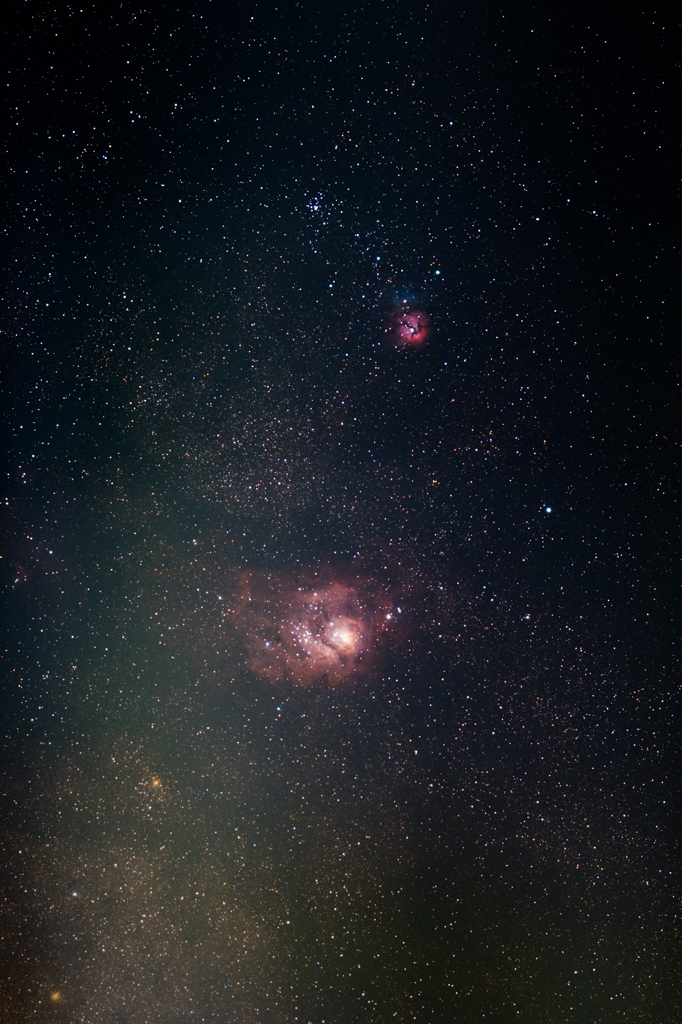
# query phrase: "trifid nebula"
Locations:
[[340, 527]]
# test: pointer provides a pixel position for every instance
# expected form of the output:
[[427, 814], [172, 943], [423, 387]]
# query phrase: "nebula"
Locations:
[[409, 327], [322, 628]]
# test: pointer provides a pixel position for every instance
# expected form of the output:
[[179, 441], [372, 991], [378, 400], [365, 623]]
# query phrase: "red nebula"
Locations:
[[319, 629], [410, 328]]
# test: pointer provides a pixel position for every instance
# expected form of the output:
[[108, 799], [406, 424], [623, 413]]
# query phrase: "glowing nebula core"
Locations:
[[409, 327], [322, 630]]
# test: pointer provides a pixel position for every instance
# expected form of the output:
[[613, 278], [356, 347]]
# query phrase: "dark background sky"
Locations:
[[210, 213]]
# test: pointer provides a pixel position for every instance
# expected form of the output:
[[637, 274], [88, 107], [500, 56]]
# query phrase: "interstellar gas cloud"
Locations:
[[325, 627], [409, 326]]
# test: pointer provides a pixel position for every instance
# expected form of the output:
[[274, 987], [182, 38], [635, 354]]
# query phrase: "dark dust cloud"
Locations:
[[340, 528]]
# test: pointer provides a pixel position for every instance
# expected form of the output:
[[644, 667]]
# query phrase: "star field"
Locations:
[[339, 516]]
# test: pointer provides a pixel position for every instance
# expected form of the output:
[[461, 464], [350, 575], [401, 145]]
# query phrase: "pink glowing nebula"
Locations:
[[317, 630], [409, 327]]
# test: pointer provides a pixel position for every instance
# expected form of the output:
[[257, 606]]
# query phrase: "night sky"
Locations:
[[340, 537]]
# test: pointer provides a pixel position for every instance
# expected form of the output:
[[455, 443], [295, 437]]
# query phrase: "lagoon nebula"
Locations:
[[325, 628]]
